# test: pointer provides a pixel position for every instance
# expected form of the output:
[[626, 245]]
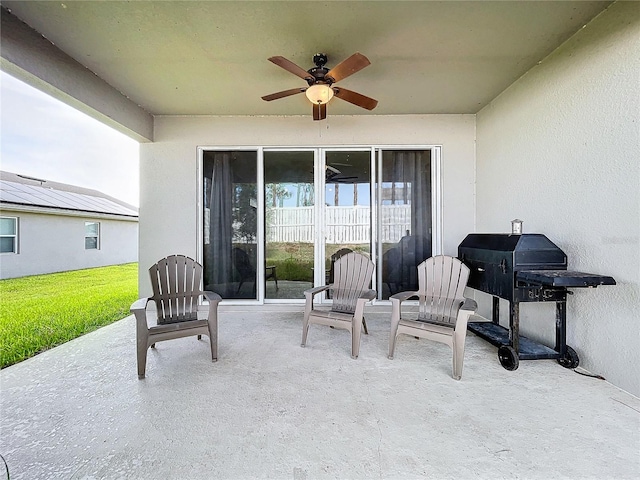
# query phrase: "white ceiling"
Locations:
[[210, 57]]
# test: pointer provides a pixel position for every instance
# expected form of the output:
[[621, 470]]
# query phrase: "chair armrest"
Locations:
[[139, 309], [315, 290], [402, 296], [368, 294], [139, 305], [212, 297], [467, 309], [469, 305]]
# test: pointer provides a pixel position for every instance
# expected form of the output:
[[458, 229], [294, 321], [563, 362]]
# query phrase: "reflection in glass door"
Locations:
[[290, 223], [347, 209]]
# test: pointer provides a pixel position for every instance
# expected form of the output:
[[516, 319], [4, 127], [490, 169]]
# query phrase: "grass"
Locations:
[[294, 261], [42, 311]]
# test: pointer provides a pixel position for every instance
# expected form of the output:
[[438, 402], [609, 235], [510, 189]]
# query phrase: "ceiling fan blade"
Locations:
[[351, 65], [319, 111], [343, 179], [355, 98], [284, 93], [291, 67]]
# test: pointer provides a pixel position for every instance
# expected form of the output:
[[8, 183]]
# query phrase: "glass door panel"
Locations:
[[405, 218], [347, 209], [230, 223], [290, 223]]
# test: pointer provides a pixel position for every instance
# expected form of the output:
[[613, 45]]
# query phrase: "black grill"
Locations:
[[522, 268]]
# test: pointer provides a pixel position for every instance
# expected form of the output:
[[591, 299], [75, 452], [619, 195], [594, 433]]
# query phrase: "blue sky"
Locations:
[[44, 138]]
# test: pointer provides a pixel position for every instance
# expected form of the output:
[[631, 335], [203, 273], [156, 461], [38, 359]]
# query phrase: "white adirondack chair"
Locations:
[[443, 310], [176, 294], [351, 280]]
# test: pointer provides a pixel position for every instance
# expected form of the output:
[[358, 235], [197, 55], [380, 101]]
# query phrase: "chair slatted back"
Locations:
[[352, 276], [441, 283], [176, 288]]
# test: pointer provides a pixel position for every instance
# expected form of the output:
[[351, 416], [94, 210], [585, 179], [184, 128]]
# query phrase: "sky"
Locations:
[[44, 138]]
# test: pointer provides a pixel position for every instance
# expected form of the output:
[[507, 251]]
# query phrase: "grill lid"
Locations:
[[505, 242], [530, 250]]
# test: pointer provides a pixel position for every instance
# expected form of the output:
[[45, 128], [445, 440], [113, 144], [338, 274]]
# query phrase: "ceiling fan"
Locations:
[[333, 175], [321, 82]]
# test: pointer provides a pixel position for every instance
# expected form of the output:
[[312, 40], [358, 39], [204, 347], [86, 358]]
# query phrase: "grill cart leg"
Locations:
[[568, 357], [514, 326], [561, 327], [495, 311], [508, 354]]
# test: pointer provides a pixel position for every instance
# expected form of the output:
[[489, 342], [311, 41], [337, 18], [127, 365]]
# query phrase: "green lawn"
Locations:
[[42, 311]]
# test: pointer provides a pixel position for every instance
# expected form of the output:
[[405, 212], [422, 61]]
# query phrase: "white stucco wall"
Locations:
[[55, 243], [169, 176], [560, 149]]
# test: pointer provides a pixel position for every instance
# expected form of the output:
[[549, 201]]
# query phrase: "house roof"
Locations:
[[26, 191], [210, 57]]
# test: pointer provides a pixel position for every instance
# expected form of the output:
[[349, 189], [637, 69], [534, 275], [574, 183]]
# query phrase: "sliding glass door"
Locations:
[[289, 223], [347, 205], [274, 221], [230, 223], [405, 217]]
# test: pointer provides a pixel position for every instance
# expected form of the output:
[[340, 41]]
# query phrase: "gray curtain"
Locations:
[[420, 164], [221, 224]]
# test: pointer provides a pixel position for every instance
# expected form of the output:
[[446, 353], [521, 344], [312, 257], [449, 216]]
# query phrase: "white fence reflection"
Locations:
[[344, 225]]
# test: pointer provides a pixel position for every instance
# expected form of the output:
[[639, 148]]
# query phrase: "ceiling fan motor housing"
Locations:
[[319, 71], [320, 59]]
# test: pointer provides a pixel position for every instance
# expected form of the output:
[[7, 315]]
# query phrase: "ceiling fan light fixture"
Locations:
[[319, 94]]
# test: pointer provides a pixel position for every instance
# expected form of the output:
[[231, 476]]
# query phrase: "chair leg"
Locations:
[[356, 329], [213, 338], [305, 330], [393, 335], [142, 343], [458, 358], [142, 358], [364, 324]]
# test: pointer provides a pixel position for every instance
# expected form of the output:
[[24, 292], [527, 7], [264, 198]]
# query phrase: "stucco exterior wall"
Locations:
[[55, 243], [169, 176], [559, 149]]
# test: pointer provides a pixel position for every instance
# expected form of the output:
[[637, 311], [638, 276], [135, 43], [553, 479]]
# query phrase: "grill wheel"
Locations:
[[508, 357], [570, 358]]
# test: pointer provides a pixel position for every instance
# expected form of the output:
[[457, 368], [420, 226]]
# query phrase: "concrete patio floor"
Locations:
[[270, 409]]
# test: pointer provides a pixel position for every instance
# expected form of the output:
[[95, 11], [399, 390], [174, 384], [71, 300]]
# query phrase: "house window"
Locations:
[[91, 235], [8, 235]]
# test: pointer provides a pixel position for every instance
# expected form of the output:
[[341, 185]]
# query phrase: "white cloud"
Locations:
[[45, 138]]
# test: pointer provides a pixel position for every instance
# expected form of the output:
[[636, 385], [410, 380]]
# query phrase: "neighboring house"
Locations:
[[555, 143], [50, 227]]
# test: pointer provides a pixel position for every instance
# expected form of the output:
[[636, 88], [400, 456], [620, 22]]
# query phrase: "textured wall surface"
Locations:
[[169, 167], [55, 243], [560, 149]]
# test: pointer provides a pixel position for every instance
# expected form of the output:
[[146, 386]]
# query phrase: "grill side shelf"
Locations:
[[563, 278]]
